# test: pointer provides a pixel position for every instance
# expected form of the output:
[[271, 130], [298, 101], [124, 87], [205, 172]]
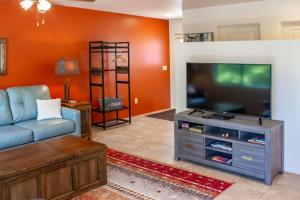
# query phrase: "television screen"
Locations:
[[230, 88]]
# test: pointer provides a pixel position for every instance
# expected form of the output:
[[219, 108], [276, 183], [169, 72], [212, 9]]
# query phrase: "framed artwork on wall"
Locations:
[[199, 37], [192, 37], [2, 56]]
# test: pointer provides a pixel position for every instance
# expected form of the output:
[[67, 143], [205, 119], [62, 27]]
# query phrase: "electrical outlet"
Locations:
[[165, 68], [136, 100]]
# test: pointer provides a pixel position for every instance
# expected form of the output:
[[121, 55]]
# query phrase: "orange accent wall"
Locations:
[[32, 51]]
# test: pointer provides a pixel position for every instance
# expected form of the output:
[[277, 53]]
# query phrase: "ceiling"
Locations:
[[192, 4], [163, 9]]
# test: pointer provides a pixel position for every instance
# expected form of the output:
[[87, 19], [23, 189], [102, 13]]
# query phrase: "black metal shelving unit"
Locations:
[[103, 49]]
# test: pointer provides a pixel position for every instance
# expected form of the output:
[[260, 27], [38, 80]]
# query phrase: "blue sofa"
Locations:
[[18, 118]]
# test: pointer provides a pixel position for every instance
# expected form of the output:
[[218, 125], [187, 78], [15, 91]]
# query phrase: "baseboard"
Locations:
[[150, 113]]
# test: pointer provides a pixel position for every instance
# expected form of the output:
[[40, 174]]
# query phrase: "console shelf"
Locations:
[[249, 148], [218, 150]]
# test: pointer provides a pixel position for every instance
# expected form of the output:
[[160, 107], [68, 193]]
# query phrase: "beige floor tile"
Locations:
[[282, 191], [253, 184], [237, 192], [289, 179]]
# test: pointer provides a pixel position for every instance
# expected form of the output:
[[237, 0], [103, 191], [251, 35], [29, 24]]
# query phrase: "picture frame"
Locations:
[[3, 69], [192, 37], [199, 37]]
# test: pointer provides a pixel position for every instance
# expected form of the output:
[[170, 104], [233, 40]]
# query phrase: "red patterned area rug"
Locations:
[[132, 177]]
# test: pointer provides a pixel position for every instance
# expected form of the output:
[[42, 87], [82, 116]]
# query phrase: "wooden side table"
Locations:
[[86, 111]]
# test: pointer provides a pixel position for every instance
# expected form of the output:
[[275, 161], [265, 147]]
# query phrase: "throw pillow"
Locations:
[[48, 109]]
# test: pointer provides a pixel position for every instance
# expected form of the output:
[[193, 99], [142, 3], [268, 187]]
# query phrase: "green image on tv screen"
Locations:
[[243, 75]]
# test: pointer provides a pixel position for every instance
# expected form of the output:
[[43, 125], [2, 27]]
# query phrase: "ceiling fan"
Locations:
[[42, 6]]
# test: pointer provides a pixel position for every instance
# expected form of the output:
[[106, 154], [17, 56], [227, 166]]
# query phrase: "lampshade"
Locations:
[[67, 67]]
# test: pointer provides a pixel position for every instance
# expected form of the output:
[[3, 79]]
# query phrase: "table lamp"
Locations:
[[67, 67]]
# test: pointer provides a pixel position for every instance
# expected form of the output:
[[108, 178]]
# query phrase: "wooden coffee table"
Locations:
[[57, 169]]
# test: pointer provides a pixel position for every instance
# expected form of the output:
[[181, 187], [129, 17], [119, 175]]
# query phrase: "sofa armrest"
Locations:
[[73, 115]]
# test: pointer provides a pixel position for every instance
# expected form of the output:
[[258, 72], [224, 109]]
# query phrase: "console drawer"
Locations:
[[191, 149], [249, 158], [256, 168], [190, 137], [255, 154]]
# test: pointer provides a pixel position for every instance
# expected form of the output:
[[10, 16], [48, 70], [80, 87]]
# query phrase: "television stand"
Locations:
[[220, 116], [196, 110], [244, 146]]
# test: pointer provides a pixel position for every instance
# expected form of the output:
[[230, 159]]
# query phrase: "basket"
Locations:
[[111, 103]]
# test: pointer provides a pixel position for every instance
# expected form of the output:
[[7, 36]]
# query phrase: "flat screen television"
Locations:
[[230, 88]]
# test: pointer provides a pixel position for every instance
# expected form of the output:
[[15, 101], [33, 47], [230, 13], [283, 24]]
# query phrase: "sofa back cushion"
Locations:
[[23, 101], [5, 114]]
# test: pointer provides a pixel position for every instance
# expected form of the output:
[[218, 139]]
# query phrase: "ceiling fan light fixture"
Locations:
[[26, 4], [43, 6]]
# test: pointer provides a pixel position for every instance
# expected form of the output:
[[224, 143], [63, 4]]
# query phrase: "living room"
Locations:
[[192, 99]]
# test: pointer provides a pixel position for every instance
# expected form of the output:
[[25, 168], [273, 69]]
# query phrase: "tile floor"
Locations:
[[153, 139]]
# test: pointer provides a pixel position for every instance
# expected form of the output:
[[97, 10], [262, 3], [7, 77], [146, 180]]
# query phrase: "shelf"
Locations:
[[245, 136], [255, 143], [219, 135], [122, 70], [108, 51], [218, 150], [226, 164], [103, 42], [117, 70], [123, 82], [108, 47], [111, 123], [96, 84], [100, 111], [97, 70]]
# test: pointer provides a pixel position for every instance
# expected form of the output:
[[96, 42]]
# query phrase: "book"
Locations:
[[222, 159], [222, 145], [257, 140], [198, 129]]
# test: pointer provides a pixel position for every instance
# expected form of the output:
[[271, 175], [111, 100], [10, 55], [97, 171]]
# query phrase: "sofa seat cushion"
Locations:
[[48, 128], [11, 136]]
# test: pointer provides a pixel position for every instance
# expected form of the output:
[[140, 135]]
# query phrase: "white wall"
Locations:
[[269, 13], [175, 27], [285, 59]]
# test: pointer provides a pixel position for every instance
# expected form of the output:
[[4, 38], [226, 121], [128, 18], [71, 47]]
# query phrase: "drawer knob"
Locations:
[[247, 158]]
